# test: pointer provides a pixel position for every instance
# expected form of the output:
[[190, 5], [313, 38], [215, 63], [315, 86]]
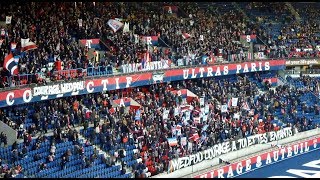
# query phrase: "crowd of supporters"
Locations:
[[214, 31], [54, 28], [114, 126]]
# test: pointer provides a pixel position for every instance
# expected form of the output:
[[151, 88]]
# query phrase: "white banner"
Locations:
[[165, 114], [234, 101], [153, 65], [229, 146]]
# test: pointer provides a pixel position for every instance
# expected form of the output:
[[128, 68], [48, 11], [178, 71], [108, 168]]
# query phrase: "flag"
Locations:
[[150, 40], [114, 24], [172, 141], [8, 19], [224, 108], [183, 141], [26, 45], [245, 106], [138, 115], [3, 32], [80, 22], [229, 102], [251, 112], [172, 10], [195, 137], [16, 59], [126, 27], [13, 46], [201, 38], [10, 64], [234, 101], [186, 35], [178, 129], [186, 108], [90, 43]]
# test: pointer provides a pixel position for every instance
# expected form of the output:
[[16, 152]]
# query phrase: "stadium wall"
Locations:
[[194, 170], [11, 133]]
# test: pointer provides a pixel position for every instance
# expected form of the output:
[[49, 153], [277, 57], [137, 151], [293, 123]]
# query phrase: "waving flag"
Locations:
[[150, 40], [90, 43], [138, 115], [195, 137], [172, 141], [26, 45], [245, 106], [10, 64], [229, 102], [224, 108], [186, 35], [115, 25], [8, 19], [170, 10], [126, 27], [3, 32]]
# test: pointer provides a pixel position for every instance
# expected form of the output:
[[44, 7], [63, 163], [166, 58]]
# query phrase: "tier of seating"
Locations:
[[273, 23]]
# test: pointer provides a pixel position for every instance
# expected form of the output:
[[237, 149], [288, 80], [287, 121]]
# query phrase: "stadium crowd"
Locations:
[[150, 132], [213, 32], [54, 28]]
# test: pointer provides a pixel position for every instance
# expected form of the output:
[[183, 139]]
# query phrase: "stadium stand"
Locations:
[[93, 135]]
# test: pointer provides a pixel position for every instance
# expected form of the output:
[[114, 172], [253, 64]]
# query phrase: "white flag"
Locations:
[[8, 19], [224, 108], [165, 114], [201, 38], [80, 22], [234, 101], [126, 27], [115, 25]]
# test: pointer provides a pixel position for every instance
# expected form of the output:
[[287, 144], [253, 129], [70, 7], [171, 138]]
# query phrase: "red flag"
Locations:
[[10, 64], [186, 35], [26, 45]]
